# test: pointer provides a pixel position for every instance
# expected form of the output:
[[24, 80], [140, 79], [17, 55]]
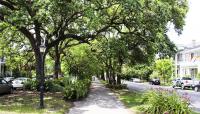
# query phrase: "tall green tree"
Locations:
[[80, 62], [112, 52], [58, 52], [17, 52], [83, 20], [165, 68]]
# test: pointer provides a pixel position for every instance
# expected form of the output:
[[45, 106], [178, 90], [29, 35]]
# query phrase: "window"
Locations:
[[186, 78], [3, 81], [192, 55], [180, 57]]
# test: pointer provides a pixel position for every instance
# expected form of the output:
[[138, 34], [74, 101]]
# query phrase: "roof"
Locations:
[[189, 49]]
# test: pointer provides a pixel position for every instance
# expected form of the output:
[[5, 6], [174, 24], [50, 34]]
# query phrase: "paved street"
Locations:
[[100, 101], [194, 96]]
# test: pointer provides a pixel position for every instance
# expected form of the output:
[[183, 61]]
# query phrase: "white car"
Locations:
[[184, 82], [19, 82], [137, 80]]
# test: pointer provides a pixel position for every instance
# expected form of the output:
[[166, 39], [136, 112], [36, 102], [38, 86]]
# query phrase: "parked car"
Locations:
[[197, 87], [19, 82], [184, 82], [5, 87], [9, 79], [154, 82], [137, 80]]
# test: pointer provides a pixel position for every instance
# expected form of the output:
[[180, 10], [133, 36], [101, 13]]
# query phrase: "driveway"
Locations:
[[194, 96]]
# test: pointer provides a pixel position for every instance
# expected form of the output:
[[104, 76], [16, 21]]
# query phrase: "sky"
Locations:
[[191, 30]]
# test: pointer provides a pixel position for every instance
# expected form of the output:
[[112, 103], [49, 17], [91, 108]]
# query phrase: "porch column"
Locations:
[[176, 75], [0, 67], [198, 70]]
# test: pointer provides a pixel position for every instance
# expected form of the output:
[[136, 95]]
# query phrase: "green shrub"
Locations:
[[72, 88], [31, 85], [121, 86], [76, 89], [59, 81], [165, 101], [57, 88], [55, 85], [50, 85]]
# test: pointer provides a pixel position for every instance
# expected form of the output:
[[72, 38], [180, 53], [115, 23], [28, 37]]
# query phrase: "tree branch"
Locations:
[[28, 35], [1, 17], [66, 45], [74, 36], [8, 4], [64, 23]]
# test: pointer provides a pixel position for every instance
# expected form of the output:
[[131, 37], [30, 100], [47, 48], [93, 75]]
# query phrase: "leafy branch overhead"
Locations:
[[84, 20], [137, 25]]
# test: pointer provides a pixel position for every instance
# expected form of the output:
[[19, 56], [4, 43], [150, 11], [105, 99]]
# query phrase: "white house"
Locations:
[[187, 62]]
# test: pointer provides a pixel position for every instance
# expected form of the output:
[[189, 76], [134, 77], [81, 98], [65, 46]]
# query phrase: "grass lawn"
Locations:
[[132, 100], [28, 103], [166, 84]]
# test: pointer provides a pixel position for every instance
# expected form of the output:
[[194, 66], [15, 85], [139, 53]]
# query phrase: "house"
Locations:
[[187, 62]]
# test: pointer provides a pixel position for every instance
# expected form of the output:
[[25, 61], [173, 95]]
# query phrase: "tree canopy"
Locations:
[[136, 26], [141, 23], [83, 20]]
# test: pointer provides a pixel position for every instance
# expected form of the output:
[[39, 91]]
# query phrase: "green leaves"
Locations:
[[81, 17], [136, 27], [76, 89], [165, 68], [114, 10], [141, 71], [161, 101]]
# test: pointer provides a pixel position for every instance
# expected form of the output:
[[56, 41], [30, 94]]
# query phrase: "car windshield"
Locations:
[[21, 78], [186, 78]]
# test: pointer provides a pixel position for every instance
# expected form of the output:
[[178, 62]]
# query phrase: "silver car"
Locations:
[[19, 82], [137, 80], [5, 87]]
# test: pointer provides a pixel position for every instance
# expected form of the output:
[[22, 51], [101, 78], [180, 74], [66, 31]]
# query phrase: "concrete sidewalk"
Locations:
[[99, 101]]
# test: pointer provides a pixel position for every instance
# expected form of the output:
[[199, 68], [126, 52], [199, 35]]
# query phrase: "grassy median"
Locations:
[[132, 100]]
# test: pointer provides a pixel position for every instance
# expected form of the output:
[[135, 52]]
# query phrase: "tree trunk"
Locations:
[[113, 77], [97, 75], [108, 76], [118, 79], [102, 75], [110, 71], [57, 64], [119, 74], [40, 59]]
